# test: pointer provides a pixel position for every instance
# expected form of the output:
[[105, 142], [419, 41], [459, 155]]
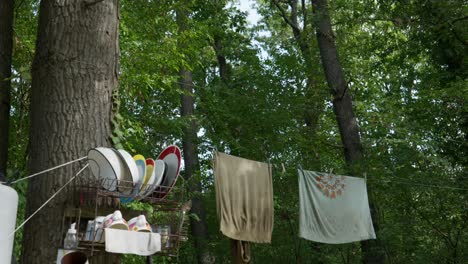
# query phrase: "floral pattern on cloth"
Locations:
[[331, 185], [333, 209]]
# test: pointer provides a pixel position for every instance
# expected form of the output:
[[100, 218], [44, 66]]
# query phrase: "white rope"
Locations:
[[46, 202], [47, 170]]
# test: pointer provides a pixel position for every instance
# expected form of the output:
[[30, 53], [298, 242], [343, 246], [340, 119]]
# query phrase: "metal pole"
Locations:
[[149, 260]]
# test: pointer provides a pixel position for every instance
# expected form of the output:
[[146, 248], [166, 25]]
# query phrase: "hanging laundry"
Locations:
[[333, 209], [129, 242], [240, 250], [244, 198]]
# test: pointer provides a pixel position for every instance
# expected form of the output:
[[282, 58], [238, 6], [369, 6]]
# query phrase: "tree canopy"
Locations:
[[260, 92]]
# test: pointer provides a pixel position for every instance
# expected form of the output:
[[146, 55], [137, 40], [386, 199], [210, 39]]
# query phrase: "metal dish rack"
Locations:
[[88, 200]]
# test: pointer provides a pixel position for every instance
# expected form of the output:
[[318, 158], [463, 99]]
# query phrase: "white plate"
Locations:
[[140, 162], [172, 157], [172, 169], [159, 169], [106, 167], [130, 172]]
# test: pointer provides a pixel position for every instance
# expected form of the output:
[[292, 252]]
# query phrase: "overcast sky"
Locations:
[[246, 6]]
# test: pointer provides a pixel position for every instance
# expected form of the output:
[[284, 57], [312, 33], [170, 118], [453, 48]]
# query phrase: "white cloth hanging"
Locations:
[[132, 242], [334, 209]]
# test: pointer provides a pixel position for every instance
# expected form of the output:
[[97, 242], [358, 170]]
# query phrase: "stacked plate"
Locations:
[[135, 177], [171, 158]]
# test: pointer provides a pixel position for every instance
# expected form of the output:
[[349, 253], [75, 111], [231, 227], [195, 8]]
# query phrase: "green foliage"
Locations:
[[23, 51], [405, 63]]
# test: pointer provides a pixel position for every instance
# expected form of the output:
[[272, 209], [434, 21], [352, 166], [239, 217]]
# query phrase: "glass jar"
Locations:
[[71, 241]]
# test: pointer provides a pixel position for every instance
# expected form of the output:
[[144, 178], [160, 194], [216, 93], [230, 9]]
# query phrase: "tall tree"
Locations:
[[6, 46], [343, 109], [74, 74], [297, 15], [198, 226]]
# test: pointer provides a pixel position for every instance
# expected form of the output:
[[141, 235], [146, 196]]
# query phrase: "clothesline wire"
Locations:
[[420, 184], [47, 170], [438, 181], [275, 165], [48, 200], [372, 180], [411, 183]]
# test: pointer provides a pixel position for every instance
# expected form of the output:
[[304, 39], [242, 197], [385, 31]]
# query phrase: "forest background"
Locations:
[[200, 75]]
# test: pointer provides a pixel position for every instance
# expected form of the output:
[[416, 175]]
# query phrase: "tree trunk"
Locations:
[[222, 62], [73, 76], [6, 45], [314, 97], [189, 141], [198, 227], [343, 109], [224, 75]]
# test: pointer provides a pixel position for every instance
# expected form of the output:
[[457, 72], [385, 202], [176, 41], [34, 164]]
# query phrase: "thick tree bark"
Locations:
[[342, 102], [343, 109], [189, 141], [224, 75], [6, 46], [198, 227], [73, 76]]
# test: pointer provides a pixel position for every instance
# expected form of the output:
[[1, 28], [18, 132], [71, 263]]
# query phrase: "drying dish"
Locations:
[[156, 178], [106, 167], [139, 224], [140, 162], [148, 175], [172, 158], [130, 174], [115, 221]]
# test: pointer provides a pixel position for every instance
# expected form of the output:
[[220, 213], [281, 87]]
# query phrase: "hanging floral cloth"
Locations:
[[333, 209]]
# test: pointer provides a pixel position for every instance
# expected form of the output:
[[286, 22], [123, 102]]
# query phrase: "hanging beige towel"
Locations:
[[333, 209], [244, 198]]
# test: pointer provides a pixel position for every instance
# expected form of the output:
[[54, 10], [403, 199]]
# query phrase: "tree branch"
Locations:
[[304, 14], [344, 92], [426, 219], [459, 19], [455, 33], [294, 27]]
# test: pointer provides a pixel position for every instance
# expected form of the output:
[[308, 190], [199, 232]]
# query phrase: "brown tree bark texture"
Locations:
[[222, 62], [189, 141], [6, 46], [343, 109], [74, 74], [198, 227]]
